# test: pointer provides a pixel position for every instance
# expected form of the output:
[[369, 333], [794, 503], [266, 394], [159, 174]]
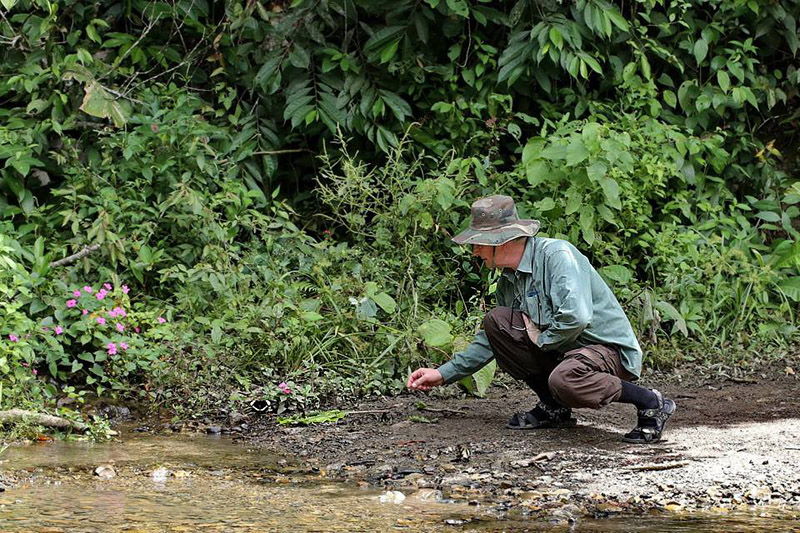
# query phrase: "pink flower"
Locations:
[[284, 388], [161, 320], [136, 329], [76, 293], [87, 289], [85, 311], [101, 320], [120, 327], [120, 312], [13, 337], [125, 289], [112, 348], [59, 330], [25, 365], [35, 372], [72, 303], [112, 313], [107, 286], [100, 295], [123, 345]]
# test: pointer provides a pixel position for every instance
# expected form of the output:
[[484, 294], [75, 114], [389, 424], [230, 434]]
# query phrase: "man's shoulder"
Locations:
[[551, 245]]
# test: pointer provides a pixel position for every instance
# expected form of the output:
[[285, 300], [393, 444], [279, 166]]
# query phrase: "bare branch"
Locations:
[[75, 257]]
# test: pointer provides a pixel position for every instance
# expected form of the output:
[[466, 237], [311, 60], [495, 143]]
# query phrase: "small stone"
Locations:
[[392, 496], [214, 430], [181, 474], [104, 472], [160, 474], [762, 493]]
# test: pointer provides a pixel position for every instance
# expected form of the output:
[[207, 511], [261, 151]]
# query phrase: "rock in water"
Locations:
[[392, 496], [105, 472], [160, 474]]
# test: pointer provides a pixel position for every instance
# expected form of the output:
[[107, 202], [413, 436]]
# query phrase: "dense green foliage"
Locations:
[[277, 183]]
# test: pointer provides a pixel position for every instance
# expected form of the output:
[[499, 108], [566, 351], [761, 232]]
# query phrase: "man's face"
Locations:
[[487, 253]]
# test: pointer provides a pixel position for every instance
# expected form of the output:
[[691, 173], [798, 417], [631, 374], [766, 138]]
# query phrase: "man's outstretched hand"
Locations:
[[424, 379]]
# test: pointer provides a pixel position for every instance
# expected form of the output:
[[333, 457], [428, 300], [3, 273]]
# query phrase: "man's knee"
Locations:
[[568, 385], [494, 321]]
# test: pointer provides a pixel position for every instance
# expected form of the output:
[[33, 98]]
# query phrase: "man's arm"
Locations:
[[570, 292], [463, 364]]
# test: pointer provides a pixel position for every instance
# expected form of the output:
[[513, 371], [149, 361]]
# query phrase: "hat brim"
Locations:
[[499, 236]]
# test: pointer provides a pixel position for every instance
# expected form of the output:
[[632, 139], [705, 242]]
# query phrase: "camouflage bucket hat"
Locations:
[[494, 222]]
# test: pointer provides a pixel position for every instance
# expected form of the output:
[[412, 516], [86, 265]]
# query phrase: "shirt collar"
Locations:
[[524, 263]]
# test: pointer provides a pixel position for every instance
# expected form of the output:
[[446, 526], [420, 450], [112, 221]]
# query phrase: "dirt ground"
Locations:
[[731, 444]]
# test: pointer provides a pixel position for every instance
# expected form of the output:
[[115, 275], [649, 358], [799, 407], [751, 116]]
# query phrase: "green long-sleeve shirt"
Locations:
[[557, 287]]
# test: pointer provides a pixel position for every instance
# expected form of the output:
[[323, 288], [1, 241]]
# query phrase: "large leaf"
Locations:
[[611, 191], [478, 383], [791, 287], [618, 273], [436, 333], [672, 313], [100, 103]]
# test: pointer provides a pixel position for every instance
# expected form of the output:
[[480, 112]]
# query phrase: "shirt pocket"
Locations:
[[537, 308]]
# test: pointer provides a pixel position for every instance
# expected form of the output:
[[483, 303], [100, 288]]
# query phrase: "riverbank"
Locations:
[[444, 460], [733, 443]]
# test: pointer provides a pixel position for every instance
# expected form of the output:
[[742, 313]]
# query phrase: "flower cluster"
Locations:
[[284, 388]]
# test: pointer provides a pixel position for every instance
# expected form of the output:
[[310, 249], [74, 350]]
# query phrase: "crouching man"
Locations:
[[557, 327]]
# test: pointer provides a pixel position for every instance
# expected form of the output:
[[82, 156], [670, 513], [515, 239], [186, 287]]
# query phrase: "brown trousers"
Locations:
[[585, 377]]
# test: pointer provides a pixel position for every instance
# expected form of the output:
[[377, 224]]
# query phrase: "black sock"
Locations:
[[641, 397], [542, 390]]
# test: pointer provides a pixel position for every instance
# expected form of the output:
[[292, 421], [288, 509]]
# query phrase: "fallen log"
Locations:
[[19, 415]]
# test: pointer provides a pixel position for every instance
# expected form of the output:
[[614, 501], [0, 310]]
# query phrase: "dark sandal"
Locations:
[[542, 416], [651, 422]]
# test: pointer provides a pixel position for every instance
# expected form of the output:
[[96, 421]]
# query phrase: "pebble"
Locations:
[[160, 474], [392, 496], [105, 472], [214, 430]]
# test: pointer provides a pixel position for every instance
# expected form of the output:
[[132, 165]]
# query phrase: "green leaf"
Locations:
[[8, 4], [737, 70], [587, 223], [611, 191], [556, 38], [670, 99], [216, 334], [311, 316], [385, 302], [791, 287], [483, 378], [544, 205], [436, 333], [617, 273], [724, 80], [768, 216], [400, 108], [596, 171], [459, 7], [673, 314], [299, 57], [389, 51], [97, 102], [576, 152], [537, 172], [376, 44], [700, 50]]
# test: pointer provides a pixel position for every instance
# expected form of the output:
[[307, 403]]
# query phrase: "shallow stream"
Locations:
[[206, 483]]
